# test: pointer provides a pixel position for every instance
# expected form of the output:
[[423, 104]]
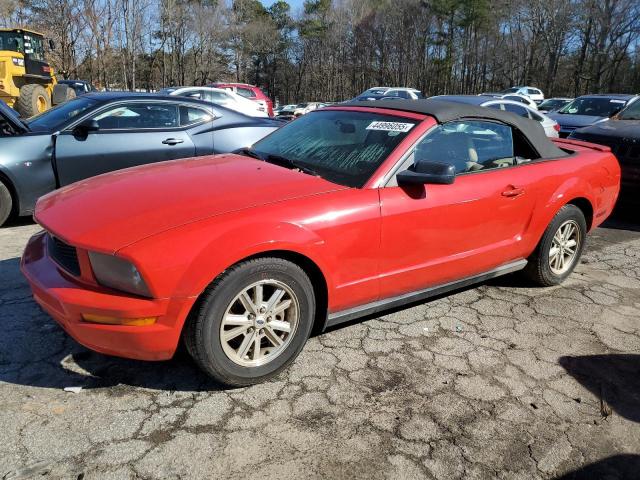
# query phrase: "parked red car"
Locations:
[[347, 211], [249, 91]]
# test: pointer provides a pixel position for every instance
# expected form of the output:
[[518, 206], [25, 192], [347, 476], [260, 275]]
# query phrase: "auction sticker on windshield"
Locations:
[[390, 126]]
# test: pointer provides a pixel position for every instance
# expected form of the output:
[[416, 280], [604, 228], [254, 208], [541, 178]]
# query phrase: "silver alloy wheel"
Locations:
[[564, 247], [259, 323]]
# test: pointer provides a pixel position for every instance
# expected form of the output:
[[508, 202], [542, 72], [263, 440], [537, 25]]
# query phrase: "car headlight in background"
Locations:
[[18, 61], [118, 273]]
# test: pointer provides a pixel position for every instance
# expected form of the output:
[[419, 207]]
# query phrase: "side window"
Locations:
[[139, 115], [34, 48], [192, 94], [246, 92], [517, 109], [469, 146], [535, 116], [531, 91], [193, 115], [515, 98], [218, 97]]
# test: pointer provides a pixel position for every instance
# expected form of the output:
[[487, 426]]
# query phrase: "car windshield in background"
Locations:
[[593, 106], [374, 91], [510, 90], [631, 113], [343, 147], [59, 115], [552, 104]]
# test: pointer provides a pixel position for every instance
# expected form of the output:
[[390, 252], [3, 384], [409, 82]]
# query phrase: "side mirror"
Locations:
[[83, 129], [428, 172], [52, 44]]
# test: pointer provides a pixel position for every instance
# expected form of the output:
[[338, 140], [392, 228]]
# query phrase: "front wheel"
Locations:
[[33, 100], [252, 322], [6, 203], [560, 248]]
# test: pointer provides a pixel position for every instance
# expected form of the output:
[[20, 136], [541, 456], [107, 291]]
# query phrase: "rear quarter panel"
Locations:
[[233, 137], [588, 173]]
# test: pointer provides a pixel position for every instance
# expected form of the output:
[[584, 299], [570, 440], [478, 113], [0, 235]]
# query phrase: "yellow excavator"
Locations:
[[27, 81]]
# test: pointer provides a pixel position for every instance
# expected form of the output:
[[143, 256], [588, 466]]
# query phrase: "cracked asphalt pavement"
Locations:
[[496, 381]]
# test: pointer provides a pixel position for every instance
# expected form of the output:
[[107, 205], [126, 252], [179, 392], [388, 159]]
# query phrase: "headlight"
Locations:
[[118, 273], [18, 61]]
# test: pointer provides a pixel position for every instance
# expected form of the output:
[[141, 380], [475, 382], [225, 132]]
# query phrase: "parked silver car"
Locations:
[[101, 132]]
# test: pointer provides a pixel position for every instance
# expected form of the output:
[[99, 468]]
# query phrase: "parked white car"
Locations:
[[224, 98], [306, 107], [284, 108], [533, 93], [384, 93], [514, 97], [551, 127]]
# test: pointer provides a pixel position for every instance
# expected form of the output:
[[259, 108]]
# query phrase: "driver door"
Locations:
[[130, 133], [434, 234]]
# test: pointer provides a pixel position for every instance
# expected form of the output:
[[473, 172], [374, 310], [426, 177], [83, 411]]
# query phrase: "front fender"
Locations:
[[181, 274], [26, 162], [257, 238]]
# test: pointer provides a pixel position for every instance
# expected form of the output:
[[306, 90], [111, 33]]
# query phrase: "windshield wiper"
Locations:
[[288, 163], [248, 152]]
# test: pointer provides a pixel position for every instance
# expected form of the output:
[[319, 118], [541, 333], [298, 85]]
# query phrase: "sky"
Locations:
[[295, 4]]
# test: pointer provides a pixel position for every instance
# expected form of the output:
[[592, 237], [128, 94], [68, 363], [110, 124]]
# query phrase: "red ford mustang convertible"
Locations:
[[348, 211]]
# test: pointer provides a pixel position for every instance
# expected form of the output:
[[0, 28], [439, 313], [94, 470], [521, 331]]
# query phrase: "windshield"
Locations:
[[632, 112], [59, 115], [341, 146], [593, 106], [302, 105], [374, 91], [510, 90], [12, 41], [552, 104]]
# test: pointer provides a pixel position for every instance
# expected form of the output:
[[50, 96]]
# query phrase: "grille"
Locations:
[[64, 255]]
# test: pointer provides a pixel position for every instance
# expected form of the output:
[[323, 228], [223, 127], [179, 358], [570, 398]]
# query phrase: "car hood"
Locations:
[[576, 121], [114, 210], [11, 116], [622, 129]]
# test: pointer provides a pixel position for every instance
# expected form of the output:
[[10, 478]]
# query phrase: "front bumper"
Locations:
[[66, 298]]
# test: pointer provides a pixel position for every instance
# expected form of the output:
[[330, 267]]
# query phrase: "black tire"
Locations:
[[6, 203], [62, 93], [31, 96], [539, 269], [202, 332]]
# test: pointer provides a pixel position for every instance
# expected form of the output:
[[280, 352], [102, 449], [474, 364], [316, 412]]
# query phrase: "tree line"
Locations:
[[332, 50]]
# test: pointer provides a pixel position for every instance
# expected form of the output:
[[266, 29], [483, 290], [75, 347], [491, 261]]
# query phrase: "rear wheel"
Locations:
[[560, 248], [6, 203], [252, 322], [33, 100]]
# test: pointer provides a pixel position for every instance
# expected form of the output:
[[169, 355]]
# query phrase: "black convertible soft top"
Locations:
[[444, 112]]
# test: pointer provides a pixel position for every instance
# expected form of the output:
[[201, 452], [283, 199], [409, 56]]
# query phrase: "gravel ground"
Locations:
[[498, 381]]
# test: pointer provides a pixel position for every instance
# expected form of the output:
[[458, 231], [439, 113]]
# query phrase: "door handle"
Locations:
[[172, 141], [513, 191]]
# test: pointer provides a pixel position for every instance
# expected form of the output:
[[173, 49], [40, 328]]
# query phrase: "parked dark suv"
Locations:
[[622, 134]]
